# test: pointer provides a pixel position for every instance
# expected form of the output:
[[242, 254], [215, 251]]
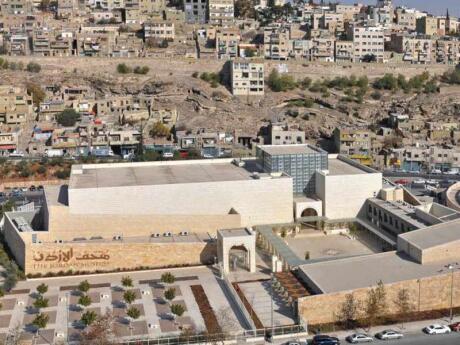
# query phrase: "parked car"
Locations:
[[435, 171], [324, 339], [40, 187], [389, 334], [32, 188], [437, 329], [419, 181], [359, 338], [402, 181], [168, 155], [455, 327]]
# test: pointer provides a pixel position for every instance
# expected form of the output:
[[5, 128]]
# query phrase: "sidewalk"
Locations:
[[408, 328]]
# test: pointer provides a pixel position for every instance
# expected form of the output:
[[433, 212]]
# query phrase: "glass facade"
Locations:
[[301, 167]]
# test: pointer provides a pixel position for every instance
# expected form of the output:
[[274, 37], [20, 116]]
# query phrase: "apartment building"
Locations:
[[322, 49], [348, 12], [15, 7], [151, 6], [415, 49], [427, 25], [247, 78], [344, 51], [281, 134], [16, 105], [18, 44], [332, 22], [276, 43], [355, 143], [227, 41], [368, 41], [67, 8], [8, 142], [195, 11], [159, 30], [221, 12], [448, 50], [407, 18]]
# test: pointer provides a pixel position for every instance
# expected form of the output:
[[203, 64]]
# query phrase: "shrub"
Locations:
[[41, 302], [126, 281], [33, 67], [84, 286], [122, 68], [281, 83], [88, 317], [129, 296], [42, 288], [133, 312], [195, 74], [62, 174], [38, 95], [84, 301], [376, 95], [141, 70]]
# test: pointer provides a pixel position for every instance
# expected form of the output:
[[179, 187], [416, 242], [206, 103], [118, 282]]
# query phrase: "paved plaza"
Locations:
[[330, 246], [106, 294]]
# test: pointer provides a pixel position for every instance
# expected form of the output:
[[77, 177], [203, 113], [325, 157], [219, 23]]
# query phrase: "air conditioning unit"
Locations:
[[183, 233], [59, 241], [155, 235], [117, 238], [167, 234]]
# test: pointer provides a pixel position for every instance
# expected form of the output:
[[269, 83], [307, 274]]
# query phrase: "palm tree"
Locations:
[[129, 297], [126, 281], [88, 317], [168, 278], [42, 289], [84, 286], [85, 301]]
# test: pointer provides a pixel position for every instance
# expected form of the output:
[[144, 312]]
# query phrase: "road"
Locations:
[[409, 339]]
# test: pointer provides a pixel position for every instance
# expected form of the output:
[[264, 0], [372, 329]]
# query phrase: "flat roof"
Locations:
[[435, 235], [240, 232], [135, 174], [289, 149], [402, 210], [339, 167], [365, 271]]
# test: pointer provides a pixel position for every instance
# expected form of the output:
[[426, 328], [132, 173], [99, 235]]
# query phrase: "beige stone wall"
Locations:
[[434, 294], [66, 226], [46, 258], [15, 242], [448, 251]]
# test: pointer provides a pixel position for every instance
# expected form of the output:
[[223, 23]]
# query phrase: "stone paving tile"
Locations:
[[158, 292], [76, 315], [136, 328], [3, 337], [186, 322], [162, 308], [180, 302], [52, 300], [95, 296], [74, 333], [177, 288], [167, 326], [5, 321], [46, 336], [8, 303]]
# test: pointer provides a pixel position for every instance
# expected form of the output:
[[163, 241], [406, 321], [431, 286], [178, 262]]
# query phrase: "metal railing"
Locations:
[[236, 338]]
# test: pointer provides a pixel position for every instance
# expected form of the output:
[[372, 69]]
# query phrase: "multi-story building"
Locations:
[[298, 161], [333, 22], [15, 105], [427, 25], [221, 12], [322, 49], [281, 134], [159, 30], [416, 49], [349, 12], [67, 8], [227, 41], [276, 43], [151, 6], [447, 50], [8, 142], [354, 143], [407, 18], [344, 51], [15, 7], [367, 42], [195, 11], [247, 78]]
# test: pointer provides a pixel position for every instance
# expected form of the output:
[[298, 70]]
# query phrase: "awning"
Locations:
[[7, 147]]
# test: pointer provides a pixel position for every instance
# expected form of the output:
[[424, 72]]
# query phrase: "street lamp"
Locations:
[[451, 268]]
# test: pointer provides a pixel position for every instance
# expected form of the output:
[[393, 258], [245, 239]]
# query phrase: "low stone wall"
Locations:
[[431, 293], [97, 257], [28, 183]]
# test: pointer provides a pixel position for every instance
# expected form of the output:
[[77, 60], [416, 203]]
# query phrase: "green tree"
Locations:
[[42, 288], [375, 305], [88, 318], [41, 302], [127, 281], [141, 70], [84, 301], [40, 321], [129, 296], [168, 278], [133, 312], [68, 117], [280, 82], [84, 286], [170, 294], [159, 130], [177, 309]]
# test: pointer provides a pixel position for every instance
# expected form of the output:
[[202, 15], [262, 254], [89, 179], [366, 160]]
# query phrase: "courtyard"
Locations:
[[193, 287]]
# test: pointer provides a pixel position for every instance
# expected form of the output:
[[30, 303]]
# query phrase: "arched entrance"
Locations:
[[238, 257], [309, 212]]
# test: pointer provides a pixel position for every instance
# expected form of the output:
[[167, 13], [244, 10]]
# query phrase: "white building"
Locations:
[[367, 42], [247, 78]]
